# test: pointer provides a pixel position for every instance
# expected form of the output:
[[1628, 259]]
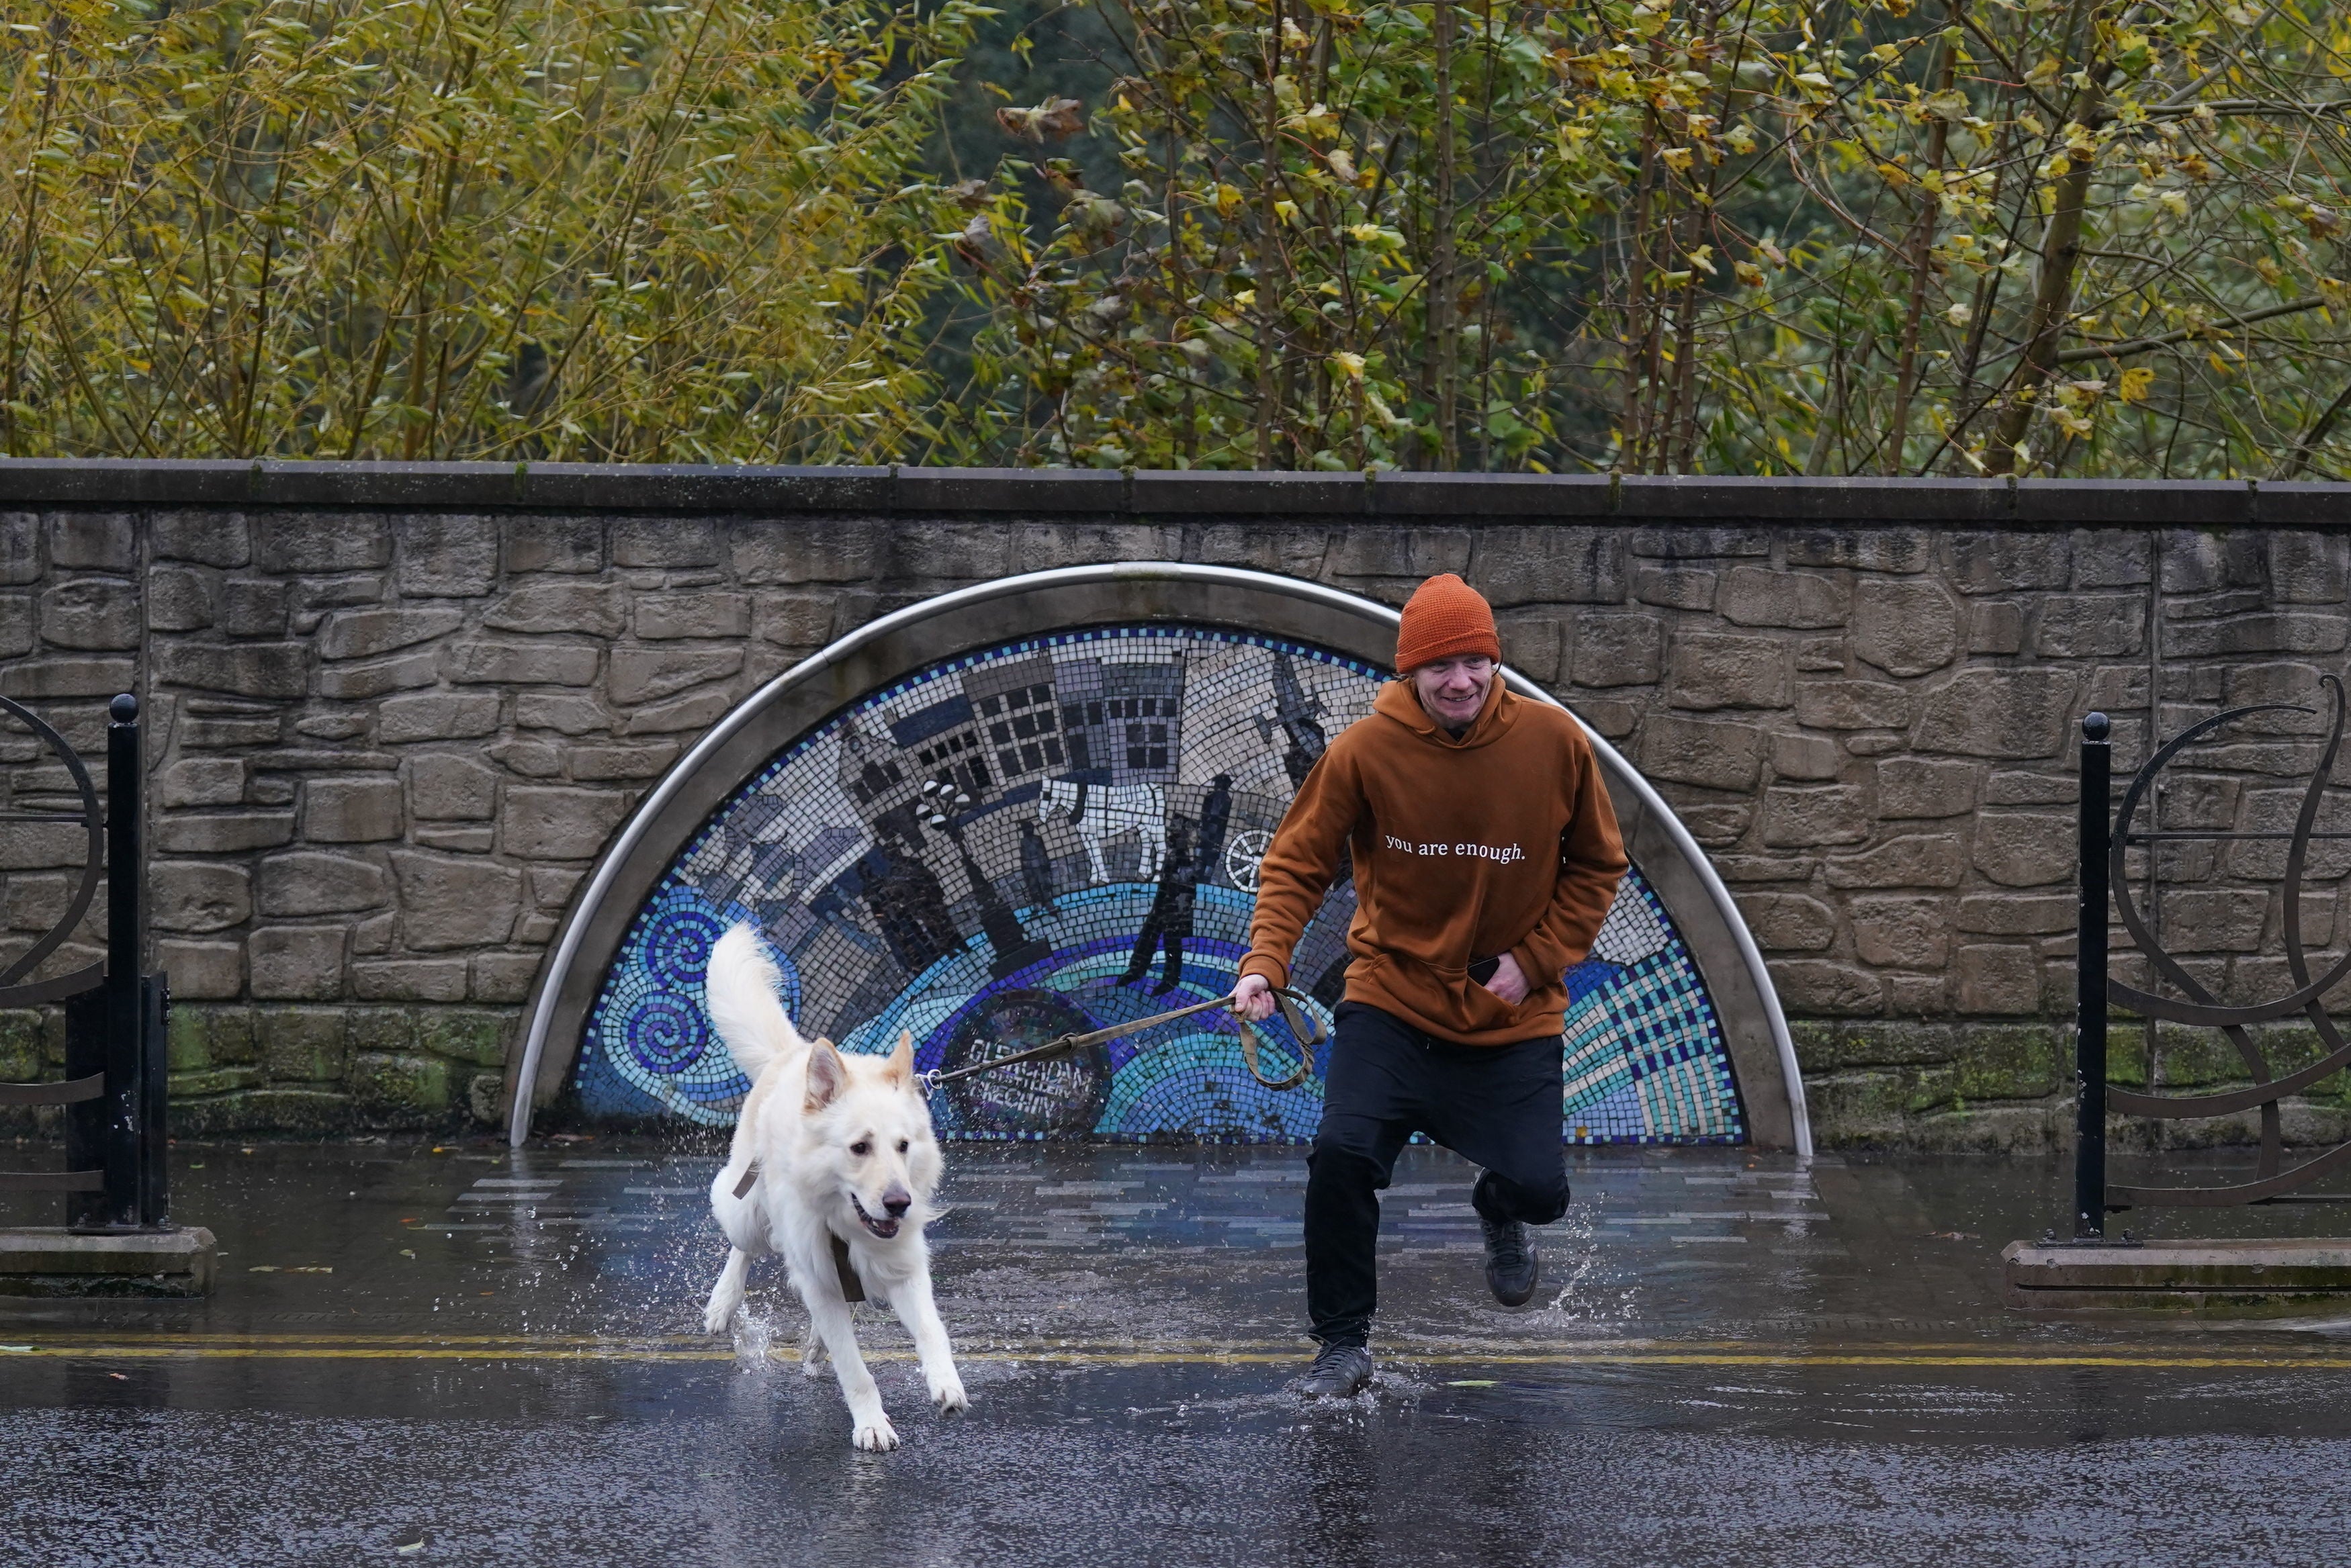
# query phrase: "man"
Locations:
[[1486, 855]]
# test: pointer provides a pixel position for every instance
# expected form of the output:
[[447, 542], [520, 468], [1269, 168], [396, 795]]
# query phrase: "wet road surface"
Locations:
[[491, 1358]]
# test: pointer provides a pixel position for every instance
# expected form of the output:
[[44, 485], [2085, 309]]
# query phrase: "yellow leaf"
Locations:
[[2136, 382]]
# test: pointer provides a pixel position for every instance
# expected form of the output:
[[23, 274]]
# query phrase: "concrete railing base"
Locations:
[[2218, 1279], [60, 1263]]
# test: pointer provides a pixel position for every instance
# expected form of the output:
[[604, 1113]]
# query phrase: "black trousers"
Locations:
[[1495, 1106]]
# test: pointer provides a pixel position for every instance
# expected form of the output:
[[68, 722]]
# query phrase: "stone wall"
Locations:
[[394, 713]]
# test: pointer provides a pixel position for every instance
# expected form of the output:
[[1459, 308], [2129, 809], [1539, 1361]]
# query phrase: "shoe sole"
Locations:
[[1534, 1278]]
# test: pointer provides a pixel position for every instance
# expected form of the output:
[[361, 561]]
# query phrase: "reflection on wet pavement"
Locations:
[[1734, 1358]]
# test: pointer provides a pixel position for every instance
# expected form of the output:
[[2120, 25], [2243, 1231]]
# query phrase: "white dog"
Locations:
[[834, 1163], [1100, 813]]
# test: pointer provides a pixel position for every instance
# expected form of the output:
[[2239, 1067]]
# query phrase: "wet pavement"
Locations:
[[461, 1355]]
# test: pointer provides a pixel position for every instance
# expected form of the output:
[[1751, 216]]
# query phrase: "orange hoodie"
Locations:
[[1501, 841]]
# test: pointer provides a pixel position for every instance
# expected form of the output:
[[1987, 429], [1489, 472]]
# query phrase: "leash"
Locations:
[[1303, 1026]]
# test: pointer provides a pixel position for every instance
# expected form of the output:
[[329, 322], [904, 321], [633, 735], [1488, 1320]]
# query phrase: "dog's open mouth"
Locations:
[[886, 1229]]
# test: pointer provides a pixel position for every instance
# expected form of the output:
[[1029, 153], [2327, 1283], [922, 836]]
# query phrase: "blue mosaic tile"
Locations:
[[1062, 833]]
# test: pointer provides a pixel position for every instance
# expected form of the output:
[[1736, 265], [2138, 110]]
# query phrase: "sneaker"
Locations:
[[1511, 1262], [1338, 1373]]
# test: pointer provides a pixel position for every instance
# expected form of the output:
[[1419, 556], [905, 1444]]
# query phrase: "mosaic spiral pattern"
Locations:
[[1062, 833]]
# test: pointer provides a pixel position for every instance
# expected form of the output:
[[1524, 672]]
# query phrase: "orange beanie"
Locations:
[[1446, 618]]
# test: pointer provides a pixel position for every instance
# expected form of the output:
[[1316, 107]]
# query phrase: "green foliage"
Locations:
[[1685, 236], [513, 229]]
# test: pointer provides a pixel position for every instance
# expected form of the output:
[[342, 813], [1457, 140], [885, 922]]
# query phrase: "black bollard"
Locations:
[[2090, 986]]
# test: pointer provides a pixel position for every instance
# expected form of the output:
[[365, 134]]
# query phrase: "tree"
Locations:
[[472, 228]]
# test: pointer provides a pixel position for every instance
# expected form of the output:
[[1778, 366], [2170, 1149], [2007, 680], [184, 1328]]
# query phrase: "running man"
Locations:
[[1486, 855]]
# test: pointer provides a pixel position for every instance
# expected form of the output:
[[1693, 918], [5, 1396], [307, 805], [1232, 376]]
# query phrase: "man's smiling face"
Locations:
[[1452, 690]]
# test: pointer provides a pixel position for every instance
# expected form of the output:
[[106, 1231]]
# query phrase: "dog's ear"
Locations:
[[901, 1069], [827, 1074]]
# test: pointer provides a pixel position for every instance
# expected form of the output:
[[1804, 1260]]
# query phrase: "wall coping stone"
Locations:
[[1515, 498]]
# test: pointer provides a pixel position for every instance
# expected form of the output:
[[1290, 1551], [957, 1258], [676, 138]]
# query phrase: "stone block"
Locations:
[[253, 607], [2090, 626], [295, 963], [1713, 671], [1901, 933], [399, 1091], [552, 887], [1759, 596], [321, 542], [811, 550], [374, 677], [473, 838], [20, 547], [532, 759], [1917, 860], [33, 900], [953, 551], [639, 761], [309, 882], [223, 832], [439, 716], [2010, 560], [1822, 986], [1528, 565], [1693, 543], [1415, 552], [2025, 849], [1697, 752], [202, 971], [554, 545], [207, 539], [561, 711], [1915, 995], [443, 557], [87, 675], [444, 788], [364, 634], [595, 609], [1985, 713], [1991, 978], [455, 901], [198, 896], [664, 541], [1789, 922], [1531, 646], [1617, 650], [179, 598], [315, 595], [559, 824], [793, 618], [662, 617], [2200, 561], [464, 1035], [646, 674], [1803, 818], [2214, 919], [1676, 587], [1852, 705], [1924, 786], [16, 625], [257, 670], [2030, 789], [1905, 626], [2284, 631], [1805, 757], [504, 977], [1865, 549], [94, 541], [1717, 826], [1818, 655], [1995, 626], [350, 811], [485, 1098], [201, 781], [409, 980], [92, 613], [2307, 568], [489, 662], [2111, 559], [1616, 721], [2018, 914]]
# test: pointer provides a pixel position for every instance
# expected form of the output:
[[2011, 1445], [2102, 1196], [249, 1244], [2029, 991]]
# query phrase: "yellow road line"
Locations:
[[1148, 1357]]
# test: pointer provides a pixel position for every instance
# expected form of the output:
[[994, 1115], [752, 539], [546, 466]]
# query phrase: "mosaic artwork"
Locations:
[[1060, 835]]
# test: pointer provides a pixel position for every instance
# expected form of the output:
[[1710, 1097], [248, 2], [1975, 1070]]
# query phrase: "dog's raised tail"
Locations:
[[742, 986]]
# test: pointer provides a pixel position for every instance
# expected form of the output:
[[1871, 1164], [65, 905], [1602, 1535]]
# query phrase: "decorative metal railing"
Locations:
[[113, 1090], [2186, 1000]]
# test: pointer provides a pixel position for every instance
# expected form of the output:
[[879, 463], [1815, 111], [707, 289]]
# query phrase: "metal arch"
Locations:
[[93, 820], [2202, 1009], [555, 975]]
